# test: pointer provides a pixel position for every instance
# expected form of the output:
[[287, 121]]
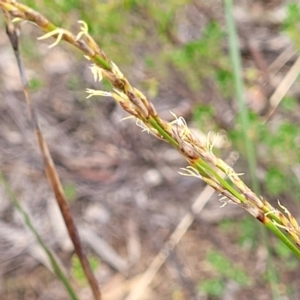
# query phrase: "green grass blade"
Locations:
[[250, 148], [31, 227], [239, 86]]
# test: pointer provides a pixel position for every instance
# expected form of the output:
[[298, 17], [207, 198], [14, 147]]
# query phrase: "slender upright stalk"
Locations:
[[50, 169], [26, 218], [240, 93]]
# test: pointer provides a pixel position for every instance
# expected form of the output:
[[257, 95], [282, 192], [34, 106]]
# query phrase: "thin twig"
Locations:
[[283, 87], [282, 59], [51, 171]]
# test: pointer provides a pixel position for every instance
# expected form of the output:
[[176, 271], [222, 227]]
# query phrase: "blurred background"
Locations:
[[122, 184]]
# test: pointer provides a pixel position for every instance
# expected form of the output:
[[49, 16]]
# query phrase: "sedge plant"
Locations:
[[202, 162]]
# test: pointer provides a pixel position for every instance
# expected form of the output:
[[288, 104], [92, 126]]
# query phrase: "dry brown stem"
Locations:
[[51, 172]]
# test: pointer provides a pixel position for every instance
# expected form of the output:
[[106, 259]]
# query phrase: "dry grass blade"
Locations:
[[283, 87], [282, 59], [51, 171], [55, 183]]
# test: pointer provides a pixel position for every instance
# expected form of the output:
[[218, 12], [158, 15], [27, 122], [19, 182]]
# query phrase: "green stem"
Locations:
[[271, 215], [200, 164], [29, 224], [270, 225], [155, 124], [244, 114]]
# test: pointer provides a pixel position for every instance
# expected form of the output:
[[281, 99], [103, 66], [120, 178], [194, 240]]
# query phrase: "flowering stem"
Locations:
[[270, 225], [156, 125], [203, 162]]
